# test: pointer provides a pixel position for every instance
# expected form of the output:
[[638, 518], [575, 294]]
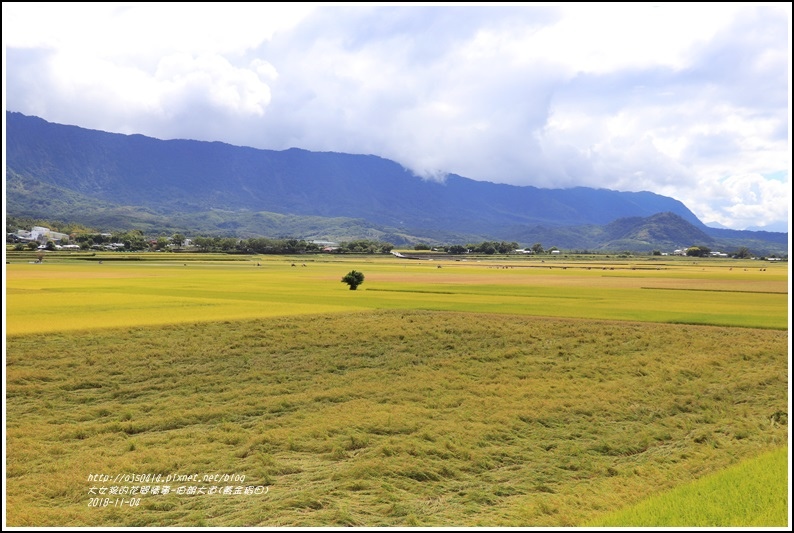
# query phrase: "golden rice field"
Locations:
[[74, 295], [491, 392]]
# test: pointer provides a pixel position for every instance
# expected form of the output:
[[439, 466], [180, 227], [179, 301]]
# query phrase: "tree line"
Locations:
[[484, 247], [135, 241]]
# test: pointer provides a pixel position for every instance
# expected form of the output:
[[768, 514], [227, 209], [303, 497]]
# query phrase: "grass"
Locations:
[[385, 417], [750, 494]]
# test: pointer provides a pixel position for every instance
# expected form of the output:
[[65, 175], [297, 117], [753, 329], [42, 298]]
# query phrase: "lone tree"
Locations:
[[354, 279]]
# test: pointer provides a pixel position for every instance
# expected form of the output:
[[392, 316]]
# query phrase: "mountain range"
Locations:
[[115, 181]]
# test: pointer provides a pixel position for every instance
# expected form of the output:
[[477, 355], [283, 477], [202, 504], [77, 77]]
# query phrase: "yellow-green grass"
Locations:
[[73, 295], [750, 494], [384, 418]]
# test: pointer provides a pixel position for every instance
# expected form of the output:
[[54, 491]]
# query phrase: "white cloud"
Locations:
[[237, 90], [602, 37], [744, 200], [138, 30]]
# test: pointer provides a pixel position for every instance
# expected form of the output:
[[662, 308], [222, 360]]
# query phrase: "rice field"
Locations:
[[438, 394], [753, 493], [75, 295]]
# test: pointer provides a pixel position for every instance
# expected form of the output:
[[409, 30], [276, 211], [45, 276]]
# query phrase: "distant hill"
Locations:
[[132, 181], [662, 231]]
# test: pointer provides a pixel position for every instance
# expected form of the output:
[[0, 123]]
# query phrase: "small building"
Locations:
[[43, 235]]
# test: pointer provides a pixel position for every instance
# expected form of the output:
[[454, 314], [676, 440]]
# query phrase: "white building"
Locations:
[[41, 234]]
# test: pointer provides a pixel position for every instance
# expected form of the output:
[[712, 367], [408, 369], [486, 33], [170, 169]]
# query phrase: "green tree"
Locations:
[[743, 253], [133, 240], [487, 248], [506, 247], [178, 239], [457, 249], [228, 244], [698, 251], [203, 243], [537, 248], [354, 279]]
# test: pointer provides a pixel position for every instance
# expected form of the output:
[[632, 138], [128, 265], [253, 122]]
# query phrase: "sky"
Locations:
[[687, 100]]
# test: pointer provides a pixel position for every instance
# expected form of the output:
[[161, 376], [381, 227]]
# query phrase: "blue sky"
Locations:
[[687, 100]]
